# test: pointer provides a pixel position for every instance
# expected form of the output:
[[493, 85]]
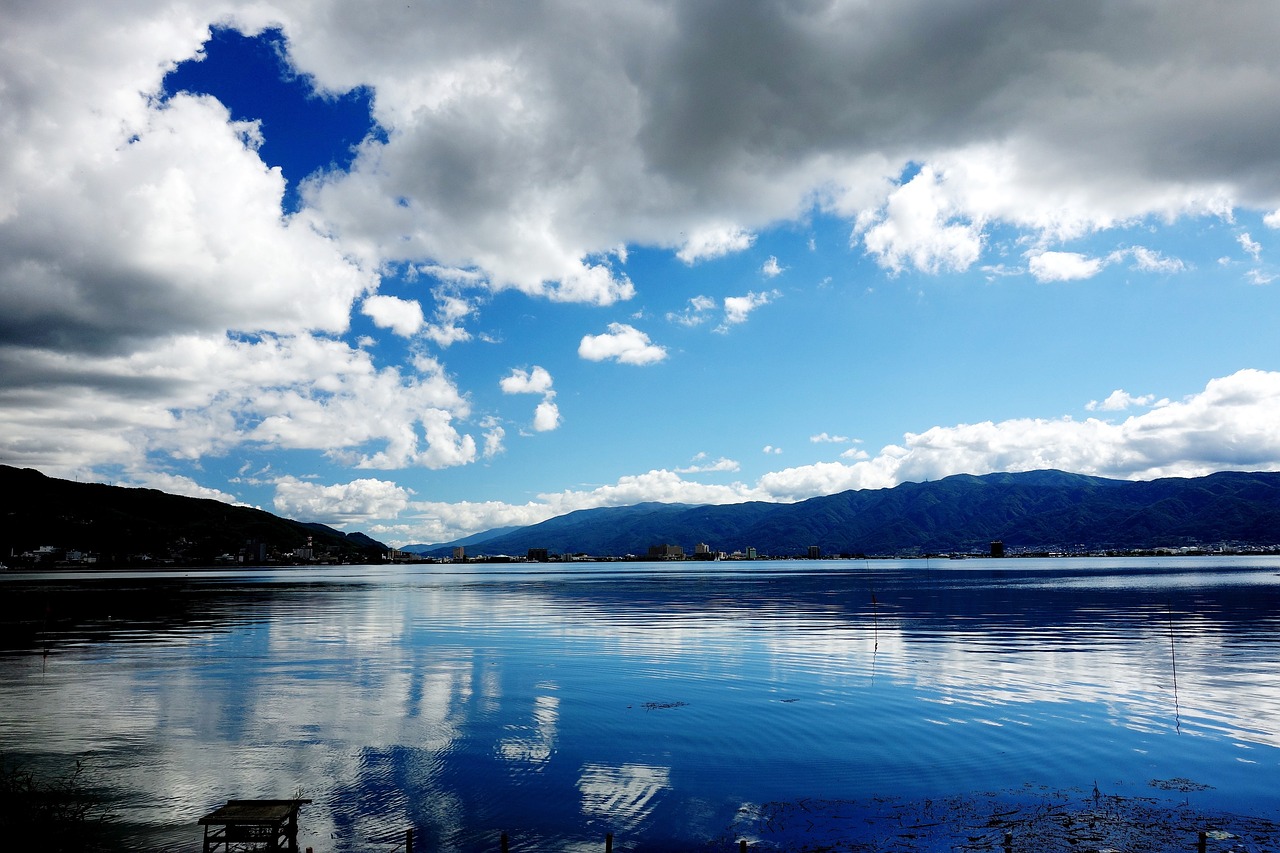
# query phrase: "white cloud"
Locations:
[[176, 484], [1063, 266], [1146, 260], [340, 504], [493, 437], [1233, 424], [919, 226], [1272, 219], [402, 316], [1251, 247], [695, 314], [714, 242], [192, 396], [769, 449], [1119, 400], [702, 464], [737, 308], [451, 310], [535, 381], [622, 343], [546, 417], [825, 438], [771, 269]]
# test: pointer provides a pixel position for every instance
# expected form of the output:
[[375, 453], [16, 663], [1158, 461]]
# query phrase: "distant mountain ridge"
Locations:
[[119, 526], [1034, 510]]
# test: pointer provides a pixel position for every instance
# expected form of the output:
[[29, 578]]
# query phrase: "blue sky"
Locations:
[[421, 272]]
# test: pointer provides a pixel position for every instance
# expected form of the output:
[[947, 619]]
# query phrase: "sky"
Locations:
[[428, 270]]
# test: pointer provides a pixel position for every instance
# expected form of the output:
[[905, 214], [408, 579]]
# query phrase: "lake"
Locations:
[[675, 705]]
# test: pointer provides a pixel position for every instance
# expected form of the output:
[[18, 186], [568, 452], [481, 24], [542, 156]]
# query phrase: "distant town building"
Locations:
[[702, 551], [815, 552], [666, 552], [997, 548], [538, 555], [459, 553], [751, 553]]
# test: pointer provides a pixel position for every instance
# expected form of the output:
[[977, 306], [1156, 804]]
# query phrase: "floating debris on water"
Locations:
[[1028, 819], [662, 706], [1179, 784]]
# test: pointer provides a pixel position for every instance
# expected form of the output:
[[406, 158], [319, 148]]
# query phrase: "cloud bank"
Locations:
[[1233, 424]]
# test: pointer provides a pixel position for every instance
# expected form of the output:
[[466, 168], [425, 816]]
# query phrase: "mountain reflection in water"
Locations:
[[658, 702]]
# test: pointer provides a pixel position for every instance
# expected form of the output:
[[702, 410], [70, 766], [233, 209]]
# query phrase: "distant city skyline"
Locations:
[[428, 271]]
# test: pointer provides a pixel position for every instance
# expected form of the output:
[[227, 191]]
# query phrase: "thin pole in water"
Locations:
[[1173, 658]]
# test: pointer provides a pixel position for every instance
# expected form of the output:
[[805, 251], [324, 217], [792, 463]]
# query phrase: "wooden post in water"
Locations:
[[408, 840], [506, 845], [742, 846], [1203, 842], [1008, 842], [608, 842]]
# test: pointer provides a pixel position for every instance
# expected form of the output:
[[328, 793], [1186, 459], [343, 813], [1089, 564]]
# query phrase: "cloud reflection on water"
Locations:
[[466, 707]]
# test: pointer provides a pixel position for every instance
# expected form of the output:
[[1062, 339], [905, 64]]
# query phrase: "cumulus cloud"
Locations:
[[192, 396], [714, 242], [446, 327], [339, 504], [176, 484], [535, 381], [827, 438], [1147, 260], [493, 437], [1251, 247], [920, 226], [771, 268], [738, 308], [622, 343], [703, 464], [1233, 424], [696, 312], [402, 316], [546, 416], [1119, 400], [1063, 266]]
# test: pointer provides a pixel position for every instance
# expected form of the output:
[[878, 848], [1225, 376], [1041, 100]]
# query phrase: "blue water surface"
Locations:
[[658, 702]]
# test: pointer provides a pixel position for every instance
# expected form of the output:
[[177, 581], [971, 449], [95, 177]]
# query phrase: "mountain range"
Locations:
[[1030, 511], [126, 526]]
